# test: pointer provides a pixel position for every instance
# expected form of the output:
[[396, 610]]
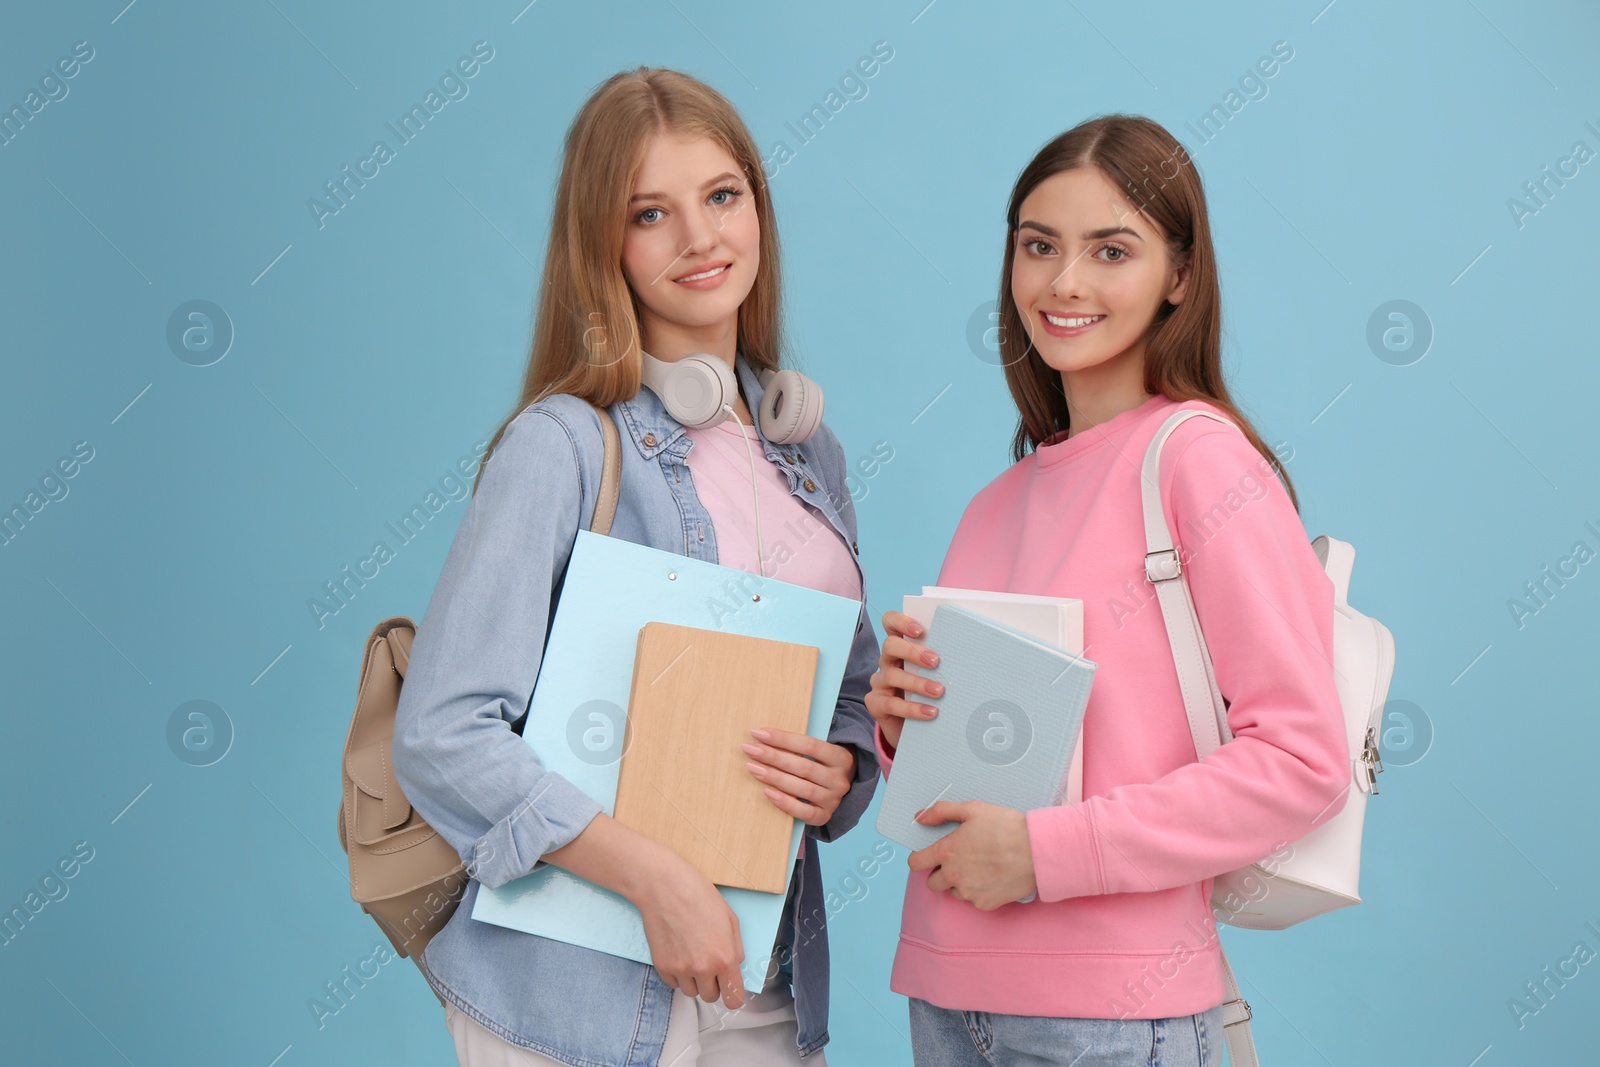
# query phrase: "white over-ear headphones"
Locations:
[[697, 388]]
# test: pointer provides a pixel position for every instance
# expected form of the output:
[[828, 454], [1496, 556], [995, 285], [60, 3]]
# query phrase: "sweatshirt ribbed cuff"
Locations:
[[1066, 852], [885, 753]]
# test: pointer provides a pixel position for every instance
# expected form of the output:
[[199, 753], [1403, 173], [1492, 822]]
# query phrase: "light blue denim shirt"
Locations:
[[471, 675]]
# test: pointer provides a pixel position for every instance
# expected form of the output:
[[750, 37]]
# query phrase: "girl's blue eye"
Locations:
[[721, 198]]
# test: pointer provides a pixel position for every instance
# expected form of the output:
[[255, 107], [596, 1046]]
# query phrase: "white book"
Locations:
[[1054, 620]]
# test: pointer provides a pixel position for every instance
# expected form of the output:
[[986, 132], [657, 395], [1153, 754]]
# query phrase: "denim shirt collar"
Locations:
[[653, 429]]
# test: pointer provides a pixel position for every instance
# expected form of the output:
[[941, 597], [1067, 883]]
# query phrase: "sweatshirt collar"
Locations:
[[1059, 448]]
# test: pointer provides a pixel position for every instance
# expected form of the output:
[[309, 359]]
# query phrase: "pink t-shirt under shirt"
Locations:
[[1122, 926], [800, 546]]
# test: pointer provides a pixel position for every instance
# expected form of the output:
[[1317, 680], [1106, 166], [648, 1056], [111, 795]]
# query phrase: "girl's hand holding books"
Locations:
[[805, 777], [693, 934], [986, 861], [891, 681]]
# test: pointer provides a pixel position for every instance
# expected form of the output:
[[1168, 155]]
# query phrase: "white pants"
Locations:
[[698, 1035]]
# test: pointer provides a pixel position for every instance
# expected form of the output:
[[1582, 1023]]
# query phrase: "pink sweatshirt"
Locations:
[[1122, 927]]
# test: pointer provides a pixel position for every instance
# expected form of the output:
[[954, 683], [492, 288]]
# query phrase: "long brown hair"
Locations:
[[586, 334], [1183, 356]]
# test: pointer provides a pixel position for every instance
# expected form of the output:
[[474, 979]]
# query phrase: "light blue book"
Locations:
[[1008, 721], [577, 718]]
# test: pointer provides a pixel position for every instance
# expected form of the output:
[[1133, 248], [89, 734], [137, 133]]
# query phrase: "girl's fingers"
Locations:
[[886, 699], [732, 979], [906, 709], [898, 650], [892, 683], [802, 789], [898, 622], [732, 984], [798, 809], [877, 705], [907, 682], [776, 760], [885, 706], [806, 747]]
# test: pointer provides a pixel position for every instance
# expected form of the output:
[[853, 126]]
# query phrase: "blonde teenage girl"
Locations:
[[663, 258]]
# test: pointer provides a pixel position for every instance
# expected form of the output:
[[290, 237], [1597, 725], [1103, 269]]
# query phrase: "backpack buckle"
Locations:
[[1164, 569], [1371, 760], [1236, 1017]]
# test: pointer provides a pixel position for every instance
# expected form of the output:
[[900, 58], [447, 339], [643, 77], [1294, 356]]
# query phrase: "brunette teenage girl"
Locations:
[[1111, 319]]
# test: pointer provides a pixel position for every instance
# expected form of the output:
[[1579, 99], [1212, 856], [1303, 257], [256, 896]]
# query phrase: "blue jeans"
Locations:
[[942, 1037]]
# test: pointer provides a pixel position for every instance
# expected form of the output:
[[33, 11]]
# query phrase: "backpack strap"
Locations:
[[1236, 1020], [605, 505], [1338, 559], [1202, 700]]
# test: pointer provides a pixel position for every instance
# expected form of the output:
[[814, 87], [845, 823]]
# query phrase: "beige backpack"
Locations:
[[402, 873]]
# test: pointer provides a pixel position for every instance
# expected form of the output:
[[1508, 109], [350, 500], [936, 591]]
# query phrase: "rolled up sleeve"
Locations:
[[476, 657]]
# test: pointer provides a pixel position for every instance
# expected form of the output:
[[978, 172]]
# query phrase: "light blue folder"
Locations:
[[1007, 723], [577, 717]]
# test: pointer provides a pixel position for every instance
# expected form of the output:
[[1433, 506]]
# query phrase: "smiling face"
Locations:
[[1088, 275], [692, 245]]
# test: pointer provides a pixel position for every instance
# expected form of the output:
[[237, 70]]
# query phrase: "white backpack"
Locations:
[[1321, 871]]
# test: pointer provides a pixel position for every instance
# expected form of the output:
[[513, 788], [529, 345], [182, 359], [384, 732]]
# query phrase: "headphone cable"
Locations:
[[754, 486]]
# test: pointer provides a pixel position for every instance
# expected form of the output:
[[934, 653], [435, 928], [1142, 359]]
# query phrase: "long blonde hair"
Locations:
[[586, 338], [1183, 357]]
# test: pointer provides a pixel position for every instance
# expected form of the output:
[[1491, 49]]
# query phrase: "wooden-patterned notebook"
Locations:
[[683, 781]]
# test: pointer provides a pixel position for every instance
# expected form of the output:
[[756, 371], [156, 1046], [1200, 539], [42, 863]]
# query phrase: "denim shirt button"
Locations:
[[854, 549], [649, 440], [811, 486]]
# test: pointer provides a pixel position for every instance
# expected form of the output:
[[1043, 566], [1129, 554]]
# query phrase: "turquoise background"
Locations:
[[371, 353]]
